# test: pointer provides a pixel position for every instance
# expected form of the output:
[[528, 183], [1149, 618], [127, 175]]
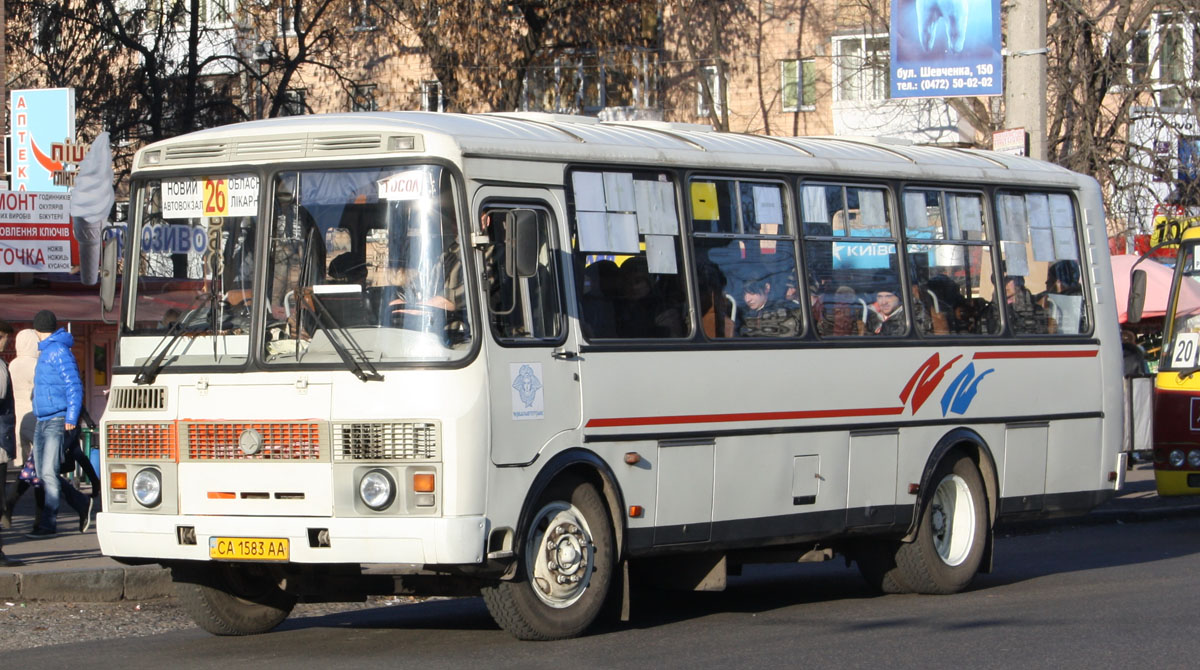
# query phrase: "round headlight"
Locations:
[[1176, 458], [1194, 458], [147, 487], [377, 489]]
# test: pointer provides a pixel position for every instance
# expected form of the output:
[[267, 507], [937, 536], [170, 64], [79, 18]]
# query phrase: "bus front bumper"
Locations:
[[424, 541], [1177, 482]]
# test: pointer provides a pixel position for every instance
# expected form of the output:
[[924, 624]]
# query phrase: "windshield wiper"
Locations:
[[153, 364], [355, 361]]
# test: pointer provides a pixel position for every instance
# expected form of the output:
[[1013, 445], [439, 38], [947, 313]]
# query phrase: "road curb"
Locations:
[[95, 585]]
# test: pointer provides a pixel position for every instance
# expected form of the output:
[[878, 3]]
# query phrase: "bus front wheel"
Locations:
[[951, 532], [566, 566], [226, 599]]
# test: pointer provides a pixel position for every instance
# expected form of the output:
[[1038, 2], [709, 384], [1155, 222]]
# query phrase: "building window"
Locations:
[[363, 14], [214, 12], [431, 96], [287, 26], [294, 104], [708, 88], [861, 64], [1178, 50], [798, 85], [362, 98]]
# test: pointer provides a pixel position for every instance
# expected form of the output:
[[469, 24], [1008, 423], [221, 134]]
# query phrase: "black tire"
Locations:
[[228, 599], [951, 532], [569, 536], [876, 561]]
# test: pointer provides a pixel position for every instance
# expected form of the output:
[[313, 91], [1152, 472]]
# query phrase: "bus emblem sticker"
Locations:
[[528, 397], [250, 442]]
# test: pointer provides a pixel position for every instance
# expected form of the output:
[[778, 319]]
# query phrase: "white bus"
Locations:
[[543, 358]]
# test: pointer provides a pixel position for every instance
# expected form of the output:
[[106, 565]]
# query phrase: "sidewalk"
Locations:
[[69, 566]]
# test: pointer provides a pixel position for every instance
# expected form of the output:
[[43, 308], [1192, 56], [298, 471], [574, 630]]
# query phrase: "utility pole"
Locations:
[[1025, 73]]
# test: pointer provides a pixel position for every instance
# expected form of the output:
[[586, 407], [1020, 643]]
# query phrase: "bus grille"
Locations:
[[280, 441], [409, 440], [141, 441], [137, 398]]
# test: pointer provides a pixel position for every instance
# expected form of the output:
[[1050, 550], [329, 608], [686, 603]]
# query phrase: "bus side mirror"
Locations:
[[1137, 296], [108, 273], [521, 240]]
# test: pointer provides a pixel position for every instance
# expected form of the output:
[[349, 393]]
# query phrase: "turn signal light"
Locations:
[[423, 482], [118, 480], [636, 511]]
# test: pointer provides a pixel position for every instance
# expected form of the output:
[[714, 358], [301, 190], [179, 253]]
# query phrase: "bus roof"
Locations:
[[563, 138]]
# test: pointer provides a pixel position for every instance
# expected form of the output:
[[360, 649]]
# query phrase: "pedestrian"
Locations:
[[8, 438], [57, 402], [21, 373]]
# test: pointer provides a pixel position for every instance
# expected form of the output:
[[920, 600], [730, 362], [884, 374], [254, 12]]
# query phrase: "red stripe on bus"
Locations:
[[751, 416], [982, 355]]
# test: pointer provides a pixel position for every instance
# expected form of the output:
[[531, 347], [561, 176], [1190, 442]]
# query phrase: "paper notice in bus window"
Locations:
[[1064, 244], [408, 185], [768, 205], [660, 255], [589, 191], [704, 201], [1039, 210], [1016, 259], [916, 218], [528, 395], [970, 212], [655, 208], [608, 232], [1012, 219], [1043, 244], [1062, 214], [871, 210], [618, 192]]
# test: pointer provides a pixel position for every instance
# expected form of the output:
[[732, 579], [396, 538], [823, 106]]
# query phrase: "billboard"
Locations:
[[35, 232], [39, 119], [946, 48]]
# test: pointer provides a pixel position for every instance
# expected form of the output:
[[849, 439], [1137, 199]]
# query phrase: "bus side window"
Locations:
[[524, 307]]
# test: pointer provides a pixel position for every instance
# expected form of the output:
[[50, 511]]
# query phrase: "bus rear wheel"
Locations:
[[565, 567], [226, 599], [951, 532]]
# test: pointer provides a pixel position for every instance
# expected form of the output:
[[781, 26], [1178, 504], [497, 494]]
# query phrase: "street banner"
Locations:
[[35, 232], [39, 119], [946, 48]]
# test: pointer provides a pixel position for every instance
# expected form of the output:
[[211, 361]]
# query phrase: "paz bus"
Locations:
[[1176, 426], [543, 358]]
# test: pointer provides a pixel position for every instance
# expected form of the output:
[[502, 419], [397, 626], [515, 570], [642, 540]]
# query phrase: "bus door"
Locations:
[[533, 365]]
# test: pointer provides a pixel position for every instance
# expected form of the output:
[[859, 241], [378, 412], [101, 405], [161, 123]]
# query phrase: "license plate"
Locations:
[[248, 548]]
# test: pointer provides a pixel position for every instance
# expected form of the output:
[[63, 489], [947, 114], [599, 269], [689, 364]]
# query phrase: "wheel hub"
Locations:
[[561, 558]]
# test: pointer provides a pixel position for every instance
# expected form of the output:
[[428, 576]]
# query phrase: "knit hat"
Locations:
[[45, 321]]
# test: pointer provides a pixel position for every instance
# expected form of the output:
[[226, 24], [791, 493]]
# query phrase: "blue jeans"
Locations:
[[47, 456]]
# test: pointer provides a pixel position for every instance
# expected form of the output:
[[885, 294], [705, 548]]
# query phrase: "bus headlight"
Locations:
[[377, 489], [147, 487], [1176, 458], [1194, 458]]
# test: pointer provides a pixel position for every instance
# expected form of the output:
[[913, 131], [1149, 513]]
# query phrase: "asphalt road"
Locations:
[[1095, 596]]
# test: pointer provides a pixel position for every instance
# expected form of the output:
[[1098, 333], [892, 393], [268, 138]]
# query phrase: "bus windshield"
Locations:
[[194, 263], [1185, 324], [367, 260], [360, 264]]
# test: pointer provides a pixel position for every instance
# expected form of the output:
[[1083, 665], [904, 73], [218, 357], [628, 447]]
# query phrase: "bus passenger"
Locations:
[[890, 310], [764, 317], [845, 314], [1024, 314]]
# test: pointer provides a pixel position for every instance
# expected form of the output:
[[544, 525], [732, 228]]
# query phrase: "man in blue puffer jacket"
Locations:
[[57, 402]]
